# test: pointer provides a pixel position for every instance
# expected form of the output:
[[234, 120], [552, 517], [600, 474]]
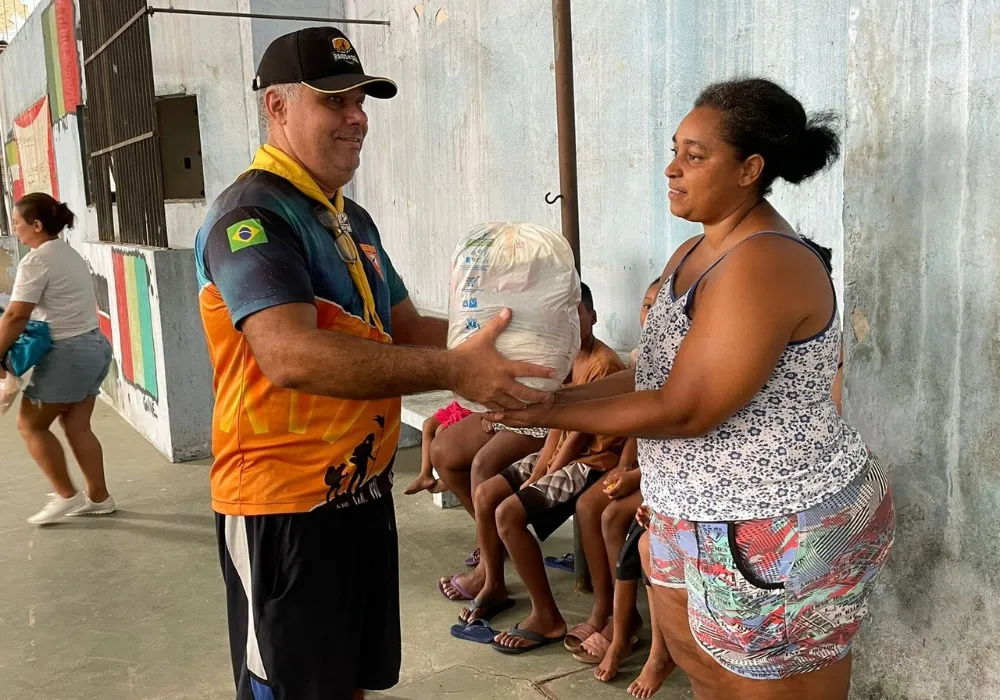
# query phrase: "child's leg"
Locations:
[[425, 481], [615, 524], [659, 665], [589, 512], [624, 626], [486, 582]]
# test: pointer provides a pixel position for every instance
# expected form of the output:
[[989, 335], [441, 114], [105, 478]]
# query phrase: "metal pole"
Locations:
[[562, 30], [562, 34], [259, 15]]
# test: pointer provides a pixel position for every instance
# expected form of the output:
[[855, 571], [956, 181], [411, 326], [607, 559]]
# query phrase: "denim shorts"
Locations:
[[783, 596], [72, 371]]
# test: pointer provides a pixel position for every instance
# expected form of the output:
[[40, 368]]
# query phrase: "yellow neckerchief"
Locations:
[[277, 162]]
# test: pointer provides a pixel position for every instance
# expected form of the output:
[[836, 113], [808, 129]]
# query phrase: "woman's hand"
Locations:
[[531, 416], [622, 484]]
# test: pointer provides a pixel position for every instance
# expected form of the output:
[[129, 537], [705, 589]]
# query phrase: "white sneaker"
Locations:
[[56, 508], [105, 507]]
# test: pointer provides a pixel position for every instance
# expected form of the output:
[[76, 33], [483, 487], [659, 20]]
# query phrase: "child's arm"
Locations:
[[544, 457], [574, 444], [630, 455]]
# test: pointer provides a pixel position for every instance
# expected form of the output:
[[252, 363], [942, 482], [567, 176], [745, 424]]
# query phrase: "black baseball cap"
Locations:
[[322, 58]]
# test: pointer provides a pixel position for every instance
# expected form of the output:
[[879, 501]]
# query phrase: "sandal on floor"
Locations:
[[478, 631], [489, 610], [593, 651], [473, 559], [577, 636], [465, 595], [539, 641]]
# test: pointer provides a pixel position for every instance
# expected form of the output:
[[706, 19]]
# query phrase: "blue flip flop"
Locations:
[[564, 563], [539, 641], [478, 631]]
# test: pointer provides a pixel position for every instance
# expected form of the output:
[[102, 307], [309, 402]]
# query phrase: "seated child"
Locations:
[[434, 426], [541, 490], [604, 518]]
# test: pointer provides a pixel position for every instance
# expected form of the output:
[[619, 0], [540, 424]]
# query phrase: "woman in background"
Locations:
[[54, 285]]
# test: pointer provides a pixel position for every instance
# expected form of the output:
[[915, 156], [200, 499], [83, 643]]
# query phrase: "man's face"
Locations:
[[323, 132]]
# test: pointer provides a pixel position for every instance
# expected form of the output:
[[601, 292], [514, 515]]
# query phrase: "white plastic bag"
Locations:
[[10, 387], [529, 270]]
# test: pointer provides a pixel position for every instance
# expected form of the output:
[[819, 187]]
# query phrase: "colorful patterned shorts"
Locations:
[[784, 596]]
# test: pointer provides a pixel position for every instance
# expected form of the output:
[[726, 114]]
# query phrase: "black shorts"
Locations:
[[629, 558], [551, 500], [313, 601]]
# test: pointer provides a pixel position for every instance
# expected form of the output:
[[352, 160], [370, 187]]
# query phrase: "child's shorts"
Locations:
[[629, 559], [551, 500], [451, 414], [783, 596]]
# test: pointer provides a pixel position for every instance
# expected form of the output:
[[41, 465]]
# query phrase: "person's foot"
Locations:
[[487, 597], [57, 508], [91, 507], [652, 676], [469, 585], [553, 628], [439, 487], [619, 650], [421, 483]]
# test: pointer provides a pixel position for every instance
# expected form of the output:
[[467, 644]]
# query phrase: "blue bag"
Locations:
[[29, 349]]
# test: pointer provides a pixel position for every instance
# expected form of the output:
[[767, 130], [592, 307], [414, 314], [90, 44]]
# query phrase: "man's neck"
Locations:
[[284, 148]]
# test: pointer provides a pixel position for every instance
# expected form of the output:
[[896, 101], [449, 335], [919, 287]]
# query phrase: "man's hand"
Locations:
[[481, 374]]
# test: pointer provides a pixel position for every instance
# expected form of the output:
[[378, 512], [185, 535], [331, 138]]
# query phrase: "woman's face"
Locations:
[[29, 234], [707, 179], [647, 302]]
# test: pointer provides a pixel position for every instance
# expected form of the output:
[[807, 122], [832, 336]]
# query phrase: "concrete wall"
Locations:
[[161, 379], [922, 206], [472, 135]]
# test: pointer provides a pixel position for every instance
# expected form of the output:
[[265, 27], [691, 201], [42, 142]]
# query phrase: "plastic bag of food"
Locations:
[[529, 270], [10, 387]]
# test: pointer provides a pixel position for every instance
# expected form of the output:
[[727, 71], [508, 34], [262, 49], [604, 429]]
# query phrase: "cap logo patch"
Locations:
[[341, 45]]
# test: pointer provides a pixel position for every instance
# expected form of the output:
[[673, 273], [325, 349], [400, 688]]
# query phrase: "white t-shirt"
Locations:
[[57, 280]]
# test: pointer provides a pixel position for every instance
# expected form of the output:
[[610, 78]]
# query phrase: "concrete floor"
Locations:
[[132, 606]]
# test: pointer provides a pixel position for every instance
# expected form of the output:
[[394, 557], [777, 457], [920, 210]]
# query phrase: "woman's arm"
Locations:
[[613, 385], [745, 319]]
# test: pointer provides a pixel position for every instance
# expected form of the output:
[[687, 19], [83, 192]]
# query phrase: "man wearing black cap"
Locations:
[[313, 339]]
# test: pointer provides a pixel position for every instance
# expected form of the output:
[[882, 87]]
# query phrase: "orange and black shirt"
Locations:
[[264, 243]]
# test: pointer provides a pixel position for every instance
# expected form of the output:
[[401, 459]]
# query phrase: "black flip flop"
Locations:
[[489, 610], [539, 640]]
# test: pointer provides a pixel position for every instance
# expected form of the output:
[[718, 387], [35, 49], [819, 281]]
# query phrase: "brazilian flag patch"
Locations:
[[245, 234]]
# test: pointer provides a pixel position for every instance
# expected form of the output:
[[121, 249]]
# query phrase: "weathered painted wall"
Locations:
[[158, 380], [472, 135], [204, 56], [147, 299], [922, 206]]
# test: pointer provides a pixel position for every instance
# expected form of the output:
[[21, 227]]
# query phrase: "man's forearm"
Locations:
[[336, 364], [431, 332]]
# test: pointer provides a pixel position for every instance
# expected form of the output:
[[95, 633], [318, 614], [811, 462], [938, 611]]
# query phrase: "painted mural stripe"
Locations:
[[121, 302], [145, 325], [59, 108], [50, 48], [133, 320], [68, 62]]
